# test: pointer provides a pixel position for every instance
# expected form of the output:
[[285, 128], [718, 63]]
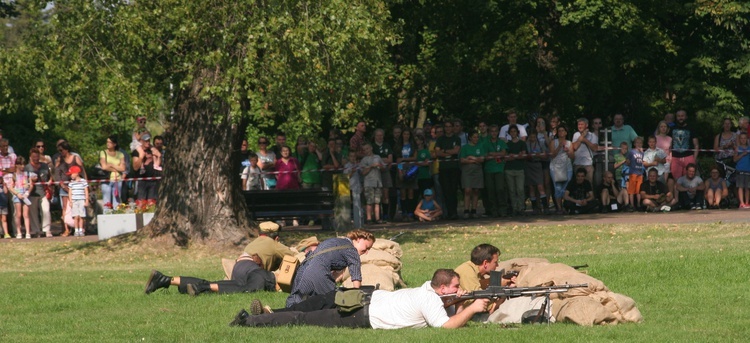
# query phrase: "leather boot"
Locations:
[[157, 280]]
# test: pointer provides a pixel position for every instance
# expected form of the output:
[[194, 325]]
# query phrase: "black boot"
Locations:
[[157, 280], [240, 318]]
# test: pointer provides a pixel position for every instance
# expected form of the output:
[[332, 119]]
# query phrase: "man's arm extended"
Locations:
[[465, 313]]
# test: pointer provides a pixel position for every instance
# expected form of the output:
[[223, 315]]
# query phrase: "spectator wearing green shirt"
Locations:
[[494, 174], [472, 179], [310, 162], [621, 132]]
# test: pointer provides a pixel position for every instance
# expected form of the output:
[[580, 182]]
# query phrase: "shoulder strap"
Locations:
[[324, 251]]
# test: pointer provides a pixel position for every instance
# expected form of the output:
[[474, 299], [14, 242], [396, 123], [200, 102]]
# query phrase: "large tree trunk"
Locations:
[[199, 196]]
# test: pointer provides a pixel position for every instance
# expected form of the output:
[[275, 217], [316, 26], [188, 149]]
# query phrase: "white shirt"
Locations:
[[584, 155], [407, 308], [504, 132], [650, 155]]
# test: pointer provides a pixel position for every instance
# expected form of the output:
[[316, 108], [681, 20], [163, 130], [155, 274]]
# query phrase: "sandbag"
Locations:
[[511, 310], [373, 275], [388, 246], [629, 313], [593, 305], [381, 258], [581, 310]]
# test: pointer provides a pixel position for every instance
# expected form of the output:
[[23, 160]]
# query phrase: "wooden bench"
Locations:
[[291, 204]]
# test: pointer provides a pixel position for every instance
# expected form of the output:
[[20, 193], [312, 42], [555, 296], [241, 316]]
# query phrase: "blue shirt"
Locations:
[[635, 162], [314, 274], [743, 164]]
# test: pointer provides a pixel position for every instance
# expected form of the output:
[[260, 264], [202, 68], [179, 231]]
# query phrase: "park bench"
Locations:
[[291, 204]]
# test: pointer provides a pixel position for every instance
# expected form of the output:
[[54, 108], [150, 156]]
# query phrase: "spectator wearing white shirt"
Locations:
[[512, 120], [585, 143]]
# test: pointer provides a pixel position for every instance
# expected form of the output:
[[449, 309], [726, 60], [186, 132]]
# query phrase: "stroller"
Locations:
[[729, 173]]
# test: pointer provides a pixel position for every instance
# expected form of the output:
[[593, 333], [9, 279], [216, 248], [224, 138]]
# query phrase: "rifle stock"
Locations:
[[497, 292]]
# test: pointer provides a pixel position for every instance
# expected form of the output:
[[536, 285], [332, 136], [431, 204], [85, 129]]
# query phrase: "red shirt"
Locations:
[[287, 177]]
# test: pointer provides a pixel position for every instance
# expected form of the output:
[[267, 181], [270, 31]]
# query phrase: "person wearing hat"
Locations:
[[308, 245], [268, 247], [247, 276], [428, 209], [63, 163], [144, 159], [251, 272], [78, 189], [139, 130]]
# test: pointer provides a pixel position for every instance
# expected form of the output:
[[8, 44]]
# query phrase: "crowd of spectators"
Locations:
[[542, 167], [32, 186]]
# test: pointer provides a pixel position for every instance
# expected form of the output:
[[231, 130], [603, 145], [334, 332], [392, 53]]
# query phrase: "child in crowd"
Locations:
[[371, 165], [21, 187], [716, 190], [4, 203], [635, 164], [139, 130], [355, 187], [622, 171], [79, 197], [742, 158], [428, 209], [251, 174]]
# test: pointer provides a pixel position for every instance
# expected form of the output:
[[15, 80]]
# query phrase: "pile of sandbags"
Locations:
[[593, 305], [381, 265]]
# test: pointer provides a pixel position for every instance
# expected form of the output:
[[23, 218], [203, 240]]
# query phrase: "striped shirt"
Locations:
[[314, 274], [78, 189]]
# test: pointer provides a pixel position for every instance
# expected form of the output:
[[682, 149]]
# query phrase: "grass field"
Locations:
[[690, 282]]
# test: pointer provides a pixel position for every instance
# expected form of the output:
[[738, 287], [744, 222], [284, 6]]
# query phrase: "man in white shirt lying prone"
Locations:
[[405, 308]]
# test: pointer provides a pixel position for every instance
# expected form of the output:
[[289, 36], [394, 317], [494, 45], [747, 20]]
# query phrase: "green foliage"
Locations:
[[288, 65]]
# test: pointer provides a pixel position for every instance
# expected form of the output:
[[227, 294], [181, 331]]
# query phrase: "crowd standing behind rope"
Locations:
[[515, 169]]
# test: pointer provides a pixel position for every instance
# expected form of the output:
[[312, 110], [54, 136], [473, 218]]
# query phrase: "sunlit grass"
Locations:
[[689, 281]]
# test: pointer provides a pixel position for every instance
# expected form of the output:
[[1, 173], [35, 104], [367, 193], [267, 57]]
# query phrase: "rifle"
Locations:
[[498, 292]]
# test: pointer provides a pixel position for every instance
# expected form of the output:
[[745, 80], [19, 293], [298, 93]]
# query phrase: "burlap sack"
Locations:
[[373, 275], [582, 311], [595, 304], [629, 313], [389, 246], [511, 310], [518, 264], [380, 265], [381, 258]]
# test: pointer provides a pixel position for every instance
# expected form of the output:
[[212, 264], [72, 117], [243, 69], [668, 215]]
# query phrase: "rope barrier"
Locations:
[[601, 150]]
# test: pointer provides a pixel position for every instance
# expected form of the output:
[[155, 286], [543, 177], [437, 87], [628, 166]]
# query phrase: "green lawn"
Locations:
[[690, 282]]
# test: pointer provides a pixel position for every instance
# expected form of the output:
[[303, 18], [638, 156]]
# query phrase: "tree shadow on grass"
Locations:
[[110, 245]]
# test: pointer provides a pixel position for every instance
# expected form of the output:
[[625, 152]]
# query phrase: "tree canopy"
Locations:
[[214, 72]]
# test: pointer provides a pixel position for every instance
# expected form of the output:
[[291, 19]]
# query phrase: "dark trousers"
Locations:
[[497, 194], [449, 179], [148, 190], [246, 277], [686, 202], [313, 303], [325, 318], [590, 207], [35, 215]]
